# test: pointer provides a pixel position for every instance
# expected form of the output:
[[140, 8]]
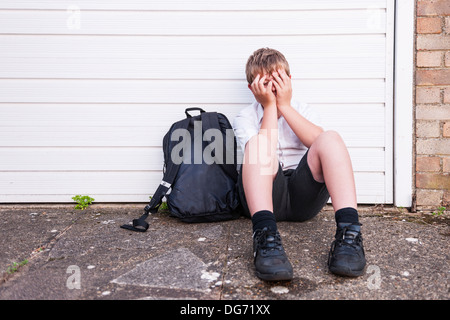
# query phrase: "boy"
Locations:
[[291, 167]]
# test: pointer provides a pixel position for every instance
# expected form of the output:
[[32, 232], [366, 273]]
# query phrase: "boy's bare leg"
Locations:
[[330, 162], [258, 172]]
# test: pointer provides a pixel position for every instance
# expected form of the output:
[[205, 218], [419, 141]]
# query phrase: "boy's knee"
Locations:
[[327, 139], [330, 135]]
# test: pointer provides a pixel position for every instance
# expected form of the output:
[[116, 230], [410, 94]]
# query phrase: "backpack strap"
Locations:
[[140, 225]]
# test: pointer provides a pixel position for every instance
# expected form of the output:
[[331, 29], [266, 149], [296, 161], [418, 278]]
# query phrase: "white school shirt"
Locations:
[[290, 149]]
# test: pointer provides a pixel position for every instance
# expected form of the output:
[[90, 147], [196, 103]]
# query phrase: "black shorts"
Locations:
[[296, 195]]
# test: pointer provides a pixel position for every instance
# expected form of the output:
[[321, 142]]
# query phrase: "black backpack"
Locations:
[[200, 170]]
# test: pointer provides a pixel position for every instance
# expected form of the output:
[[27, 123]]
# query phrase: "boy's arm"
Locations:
[[304, 129], [269, 125]]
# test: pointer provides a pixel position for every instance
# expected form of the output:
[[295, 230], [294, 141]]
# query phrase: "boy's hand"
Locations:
[[283, 85], [263, 91]]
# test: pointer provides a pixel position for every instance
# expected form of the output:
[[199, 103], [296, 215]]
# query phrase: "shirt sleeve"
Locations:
[[245, 127], [309, 113]]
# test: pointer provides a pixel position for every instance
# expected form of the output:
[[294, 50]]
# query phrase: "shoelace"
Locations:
[[347, 236], [269, 241]]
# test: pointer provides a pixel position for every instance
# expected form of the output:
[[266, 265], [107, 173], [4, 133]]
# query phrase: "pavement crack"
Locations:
[[37, 252], [225, 263]]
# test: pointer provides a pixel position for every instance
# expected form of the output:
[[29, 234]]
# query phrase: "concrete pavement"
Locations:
[[71, 254]]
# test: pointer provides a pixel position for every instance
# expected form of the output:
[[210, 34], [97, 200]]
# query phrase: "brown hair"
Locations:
[[265, 59]]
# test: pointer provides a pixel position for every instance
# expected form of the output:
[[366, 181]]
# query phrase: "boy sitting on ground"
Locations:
[[291, 167]]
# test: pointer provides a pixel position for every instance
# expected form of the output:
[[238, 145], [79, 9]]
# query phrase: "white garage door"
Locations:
[[88, 88]]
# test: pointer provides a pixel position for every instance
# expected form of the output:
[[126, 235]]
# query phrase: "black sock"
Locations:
[[347, 215], [262, 219]]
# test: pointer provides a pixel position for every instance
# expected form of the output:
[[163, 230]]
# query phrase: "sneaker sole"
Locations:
[[279, 276]]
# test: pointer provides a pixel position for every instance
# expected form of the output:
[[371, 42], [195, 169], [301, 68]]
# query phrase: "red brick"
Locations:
[[433, 77], [447, 95], [432, 181], [433, 42], [447, 59], [433, 112], [428, 95], [446, 130], [447, 25], [446, 199], [429, 197], [429, 25], [432, 146], [430, 164], [427, 129], [446, 164], [429, 58], [433, 7]]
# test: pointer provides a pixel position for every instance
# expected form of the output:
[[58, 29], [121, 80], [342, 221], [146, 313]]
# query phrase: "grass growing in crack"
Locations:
[[15, 266]]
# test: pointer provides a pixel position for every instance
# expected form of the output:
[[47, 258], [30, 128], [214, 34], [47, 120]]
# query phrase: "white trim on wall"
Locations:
[[389, 101], [403, 102]]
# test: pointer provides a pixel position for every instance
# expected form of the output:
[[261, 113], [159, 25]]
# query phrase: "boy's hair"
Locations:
[[265, 59]]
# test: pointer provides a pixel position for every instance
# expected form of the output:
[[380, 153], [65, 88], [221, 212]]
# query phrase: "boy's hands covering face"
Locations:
[[262, 89], [283, 86]]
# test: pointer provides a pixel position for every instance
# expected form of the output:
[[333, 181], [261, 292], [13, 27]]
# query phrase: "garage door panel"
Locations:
[[194, 68], [104, 186], [192, 22], [176, 48], [181, 91], [248, 5], [128, 159], [136, 115], [143, 136]]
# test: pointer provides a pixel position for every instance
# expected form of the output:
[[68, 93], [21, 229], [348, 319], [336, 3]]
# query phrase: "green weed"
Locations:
[[15, 266], [82, 201], [440, 211]]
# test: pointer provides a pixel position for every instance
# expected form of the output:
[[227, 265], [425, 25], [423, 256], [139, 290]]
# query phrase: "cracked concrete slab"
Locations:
[[176, 269]]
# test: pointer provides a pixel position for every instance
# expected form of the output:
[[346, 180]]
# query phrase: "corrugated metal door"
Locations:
[[89, 88]]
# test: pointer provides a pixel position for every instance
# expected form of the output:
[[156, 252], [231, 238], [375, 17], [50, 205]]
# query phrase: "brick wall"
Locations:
[[433, 104]]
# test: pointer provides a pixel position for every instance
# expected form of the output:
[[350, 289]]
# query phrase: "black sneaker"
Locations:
[[346, 257], [271, 262]]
